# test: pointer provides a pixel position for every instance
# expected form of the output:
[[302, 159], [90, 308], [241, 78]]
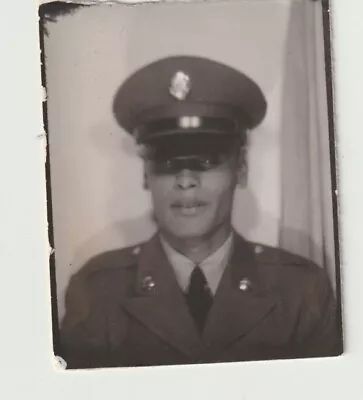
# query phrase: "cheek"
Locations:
[[220, 186], [159, 188]]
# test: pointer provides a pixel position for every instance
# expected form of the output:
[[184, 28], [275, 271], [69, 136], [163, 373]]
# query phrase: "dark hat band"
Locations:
[[188, 125], [191, 146]]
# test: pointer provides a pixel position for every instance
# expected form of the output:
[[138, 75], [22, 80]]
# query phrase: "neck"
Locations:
[[199, 248]]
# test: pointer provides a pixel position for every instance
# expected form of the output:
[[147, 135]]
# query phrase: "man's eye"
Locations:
[[163, 166], [208, 162]]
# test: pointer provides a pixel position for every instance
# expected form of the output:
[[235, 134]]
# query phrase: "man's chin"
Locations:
[[188, 233]]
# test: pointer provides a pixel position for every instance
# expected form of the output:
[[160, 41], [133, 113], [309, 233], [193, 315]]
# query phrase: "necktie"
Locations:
[[199, 297]]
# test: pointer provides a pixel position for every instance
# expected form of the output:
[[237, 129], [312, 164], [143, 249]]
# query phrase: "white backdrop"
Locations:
[[98, 199]]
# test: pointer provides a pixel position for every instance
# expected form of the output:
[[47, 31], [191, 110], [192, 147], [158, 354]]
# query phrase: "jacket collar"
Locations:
[[213, 266]]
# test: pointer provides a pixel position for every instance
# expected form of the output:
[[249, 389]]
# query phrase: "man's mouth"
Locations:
[[188, 207]]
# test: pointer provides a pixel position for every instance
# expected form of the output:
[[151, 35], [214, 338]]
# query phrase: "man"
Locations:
[[196, 292]]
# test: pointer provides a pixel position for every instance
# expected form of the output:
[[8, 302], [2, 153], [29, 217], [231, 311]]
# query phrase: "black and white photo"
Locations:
[[191, 183]]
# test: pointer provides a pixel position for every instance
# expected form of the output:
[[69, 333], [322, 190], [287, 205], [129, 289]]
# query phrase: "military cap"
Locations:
[[188, 96]]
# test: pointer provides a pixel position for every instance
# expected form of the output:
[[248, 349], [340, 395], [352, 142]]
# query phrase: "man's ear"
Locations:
[[242, 168]]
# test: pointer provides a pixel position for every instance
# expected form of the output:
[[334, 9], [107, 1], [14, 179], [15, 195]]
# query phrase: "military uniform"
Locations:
[[126, 308]]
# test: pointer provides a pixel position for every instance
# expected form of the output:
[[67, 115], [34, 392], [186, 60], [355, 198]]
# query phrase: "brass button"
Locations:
[[136, 250], [148, 283], [258, 249], [244, 284]]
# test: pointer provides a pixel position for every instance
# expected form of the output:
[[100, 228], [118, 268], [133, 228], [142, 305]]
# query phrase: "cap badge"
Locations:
[[180, 85]]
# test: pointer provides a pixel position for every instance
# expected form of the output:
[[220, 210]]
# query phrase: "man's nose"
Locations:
[[186, 179]]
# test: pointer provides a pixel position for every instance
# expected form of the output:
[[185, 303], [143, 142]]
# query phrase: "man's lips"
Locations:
[[188, 203], [188, 207]]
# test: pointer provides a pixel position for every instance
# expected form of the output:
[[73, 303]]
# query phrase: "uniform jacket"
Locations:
[[114, 317]]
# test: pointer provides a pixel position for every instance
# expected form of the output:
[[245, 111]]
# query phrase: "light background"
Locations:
[[25, 347], [98, 198]]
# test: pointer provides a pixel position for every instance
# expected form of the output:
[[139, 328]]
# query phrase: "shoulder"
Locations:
[[107, 268], [104, 277], [269, 255], [281, 268], [117, 260]]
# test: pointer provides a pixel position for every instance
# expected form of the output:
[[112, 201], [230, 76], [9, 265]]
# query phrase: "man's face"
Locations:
[[192, 200]]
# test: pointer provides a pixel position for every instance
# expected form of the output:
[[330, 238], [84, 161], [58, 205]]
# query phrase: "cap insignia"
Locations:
[[180, 85]]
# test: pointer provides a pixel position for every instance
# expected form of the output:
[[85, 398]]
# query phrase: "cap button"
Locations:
[[148, 284], [244, 284]]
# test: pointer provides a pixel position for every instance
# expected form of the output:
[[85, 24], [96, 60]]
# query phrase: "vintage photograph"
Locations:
[[191, 182]]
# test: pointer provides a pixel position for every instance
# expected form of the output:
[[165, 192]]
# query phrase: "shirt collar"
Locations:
[[213, 266]]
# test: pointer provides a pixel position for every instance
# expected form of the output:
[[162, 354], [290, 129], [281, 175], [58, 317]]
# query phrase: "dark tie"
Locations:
[[199, 298]]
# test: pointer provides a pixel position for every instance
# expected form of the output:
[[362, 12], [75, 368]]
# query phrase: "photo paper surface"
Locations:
[[191, 183]]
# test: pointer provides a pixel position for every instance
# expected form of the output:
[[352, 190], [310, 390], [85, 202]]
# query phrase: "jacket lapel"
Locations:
[[236, 310], [162, 308]]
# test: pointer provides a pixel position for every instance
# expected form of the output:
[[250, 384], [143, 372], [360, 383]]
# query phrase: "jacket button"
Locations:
[[258, 249], [136, 250], [244, 284], [148, 284]]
